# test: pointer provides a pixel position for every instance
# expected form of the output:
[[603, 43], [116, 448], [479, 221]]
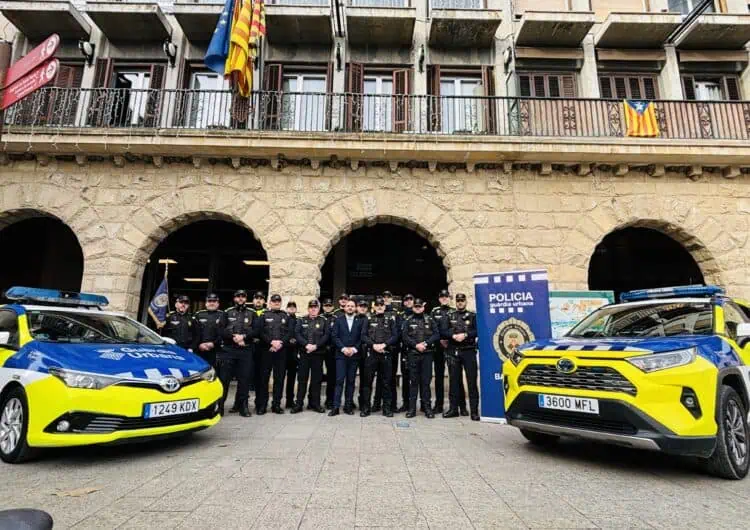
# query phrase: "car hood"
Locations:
[[125, 360], [617, 346]]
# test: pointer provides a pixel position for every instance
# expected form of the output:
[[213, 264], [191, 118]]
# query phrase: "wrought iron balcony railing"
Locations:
[[159, 110]]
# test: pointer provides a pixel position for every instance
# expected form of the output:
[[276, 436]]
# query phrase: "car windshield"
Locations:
[[647, 320], [89, 328]]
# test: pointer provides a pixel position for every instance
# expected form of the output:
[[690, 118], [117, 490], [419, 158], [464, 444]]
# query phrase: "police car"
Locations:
[[666, 370], [73, 374]]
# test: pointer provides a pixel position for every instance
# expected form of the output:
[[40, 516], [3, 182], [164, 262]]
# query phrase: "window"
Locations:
[[457, 4], [303, 104], [378, 103], [616, 86], [711, 88], [131, 96], [686, 6], [732, 317], [542, 85], [647, 320], [83, 327], [9, 323], [209, 102], [460, 105]]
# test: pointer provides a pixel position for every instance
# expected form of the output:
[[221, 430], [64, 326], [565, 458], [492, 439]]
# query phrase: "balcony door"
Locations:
[[130, 97], [461, 105], [209, 101], [378, 103], [303, 106]]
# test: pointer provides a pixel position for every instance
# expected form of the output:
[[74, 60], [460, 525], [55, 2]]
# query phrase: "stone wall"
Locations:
[[483, 221]]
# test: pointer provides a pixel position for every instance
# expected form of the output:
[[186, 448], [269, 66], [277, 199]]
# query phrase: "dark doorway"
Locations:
[[206, 256], [641, 258], [385, 256], [40, 252]]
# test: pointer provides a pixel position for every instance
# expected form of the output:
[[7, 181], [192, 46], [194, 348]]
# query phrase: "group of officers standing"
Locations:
[[251, 342]]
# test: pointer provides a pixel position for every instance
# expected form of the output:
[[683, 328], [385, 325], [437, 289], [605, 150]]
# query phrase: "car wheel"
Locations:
[[731, 457], [14, 423], [539, 438]]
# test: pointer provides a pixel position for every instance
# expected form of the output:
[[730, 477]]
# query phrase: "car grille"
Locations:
[[579, 421], [585, 377]]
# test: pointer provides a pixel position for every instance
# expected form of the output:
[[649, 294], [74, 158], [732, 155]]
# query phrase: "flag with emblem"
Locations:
[[239, 61], [159, 305], [218, 49], [640, 118]]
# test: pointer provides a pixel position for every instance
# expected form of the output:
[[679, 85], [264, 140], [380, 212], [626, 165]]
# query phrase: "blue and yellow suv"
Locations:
[[666, 369], [73, 374]]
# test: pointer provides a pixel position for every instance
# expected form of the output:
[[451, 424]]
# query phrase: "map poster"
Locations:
[[567, 308]]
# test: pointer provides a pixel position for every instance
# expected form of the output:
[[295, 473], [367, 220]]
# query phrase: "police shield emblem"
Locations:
[[509, 335]]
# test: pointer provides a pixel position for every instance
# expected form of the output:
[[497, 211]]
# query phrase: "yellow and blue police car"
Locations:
[[73, 374], [666, 369]]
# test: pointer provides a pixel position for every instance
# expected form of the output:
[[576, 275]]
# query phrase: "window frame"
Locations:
[[300, 76], [743, 318], [14, 339], [628, 77], [722, 79], [560, 75]]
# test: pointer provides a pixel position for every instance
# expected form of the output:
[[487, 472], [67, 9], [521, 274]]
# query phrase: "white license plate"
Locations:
[[171, 408], [573, 404]]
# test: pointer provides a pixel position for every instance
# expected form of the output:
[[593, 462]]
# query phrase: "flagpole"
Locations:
[[166, 273]]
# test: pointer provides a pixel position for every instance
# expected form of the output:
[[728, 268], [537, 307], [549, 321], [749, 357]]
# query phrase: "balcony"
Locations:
[[37, 20], [716, 32], [298, 21], [636, 30], [463, 24], [386, 23], [563, 29], [130, 22], [198, 18]]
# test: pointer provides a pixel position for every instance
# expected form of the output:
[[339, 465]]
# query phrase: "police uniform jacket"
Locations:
[[275, 326], [209, 327], [420, 328], [330, 319], [181, 328], [312, 330], [460, 321], [240, 320], [380, 329], [440, 314]]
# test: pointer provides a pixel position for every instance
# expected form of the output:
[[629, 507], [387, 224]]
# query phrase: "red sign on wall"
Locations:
[[38, 77], [31, 60]]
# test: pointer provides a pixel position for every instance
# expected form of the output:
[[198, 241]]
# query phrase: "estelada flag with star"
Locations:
[[640, 118]]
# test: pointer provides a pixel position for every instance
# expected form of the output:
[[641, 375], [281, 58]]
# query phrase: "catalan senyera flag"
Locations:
[[258, 26], [239, 50], [640, 118]]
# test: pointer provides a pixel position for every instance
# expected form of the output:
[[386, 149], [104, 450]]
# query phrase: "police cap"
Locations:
[[183, 298], [259, 294], [314, 303], [212, 297], [343, 296], [240, 292], [291, 303], [362, 302], [418, 302], [460, 297], [379, 301], [408, 297], [444, 293], [275, 298], [327, 301], [387, 294]]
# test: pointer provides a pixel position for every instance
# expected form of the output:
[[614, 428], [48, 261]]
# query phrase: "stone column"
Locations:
[[588, 84], [670, 85]]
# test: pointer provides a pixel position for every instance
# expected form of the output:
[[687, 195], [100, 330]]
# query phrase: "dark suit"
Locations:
[[346, 367]]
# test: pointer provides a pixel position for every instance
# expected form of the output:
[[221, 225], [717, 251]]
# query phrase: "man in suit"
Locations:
[[347, 339]]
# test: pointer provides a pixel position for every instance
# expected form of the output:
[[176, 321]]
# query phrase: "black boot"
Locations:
[[260, 411], [376, 407], [474, 415], [464, 412], [429, 414], [296, 409], [245, 411], [387, 412], [411, 414], [276, 409], [319, 409], [402, 408], [349, 409], [438, 408], [333, 412], [452, 413], [364, 412], [289, 404]]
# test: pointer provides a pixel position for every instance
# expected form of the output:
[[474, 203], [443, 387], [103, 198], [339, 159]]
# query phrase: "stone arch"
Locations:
[[411, 211]]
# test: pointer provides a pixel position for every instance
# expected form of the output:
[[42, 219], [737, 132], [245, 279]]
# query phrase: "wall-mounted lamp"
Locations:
[[170, 50], [421, 59], [87, 50], [338, 57]]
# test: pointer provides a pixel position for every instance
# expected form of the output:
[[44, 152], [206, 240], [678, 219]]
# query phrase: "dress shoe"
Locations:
[[402, 408], [464, 412], [411, 414], [234, 410], [333, 412], [452, 413], [260, 411], [245, 412], [429, 414], [319, 410], [364, 413], [387, 413], [438, 409], [328, 405], [349, 411], [474, 416], [276, 409], [289, 404], [376, 408], [296, 409]]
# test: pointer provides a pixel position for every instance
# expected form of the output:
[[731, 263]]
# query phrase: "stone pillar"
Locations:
[[670, 85], [588, 83]]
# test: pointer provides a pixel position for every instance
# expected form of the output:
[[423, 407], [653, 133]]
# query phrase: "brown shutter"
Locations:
[[103, 72], [568, 83], [401, 86], [605, 87], [154, 95], [524, 86], [490, 107], [329, 96], [67, 99], [732, 88], [688, 84], [272, 84], [433, 98], [355, 86], [182, 96]]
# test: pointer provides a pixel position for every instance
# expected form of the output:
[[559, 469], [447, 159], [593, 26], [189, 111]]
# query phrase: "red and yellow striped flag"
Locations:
[[640, 118], [258, 26], [239, 50]]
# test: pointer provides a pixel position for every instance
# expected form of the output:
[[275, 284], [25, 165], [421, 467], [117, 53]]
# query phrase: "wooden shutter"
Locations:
[[272, 84], [540, 86], [100, 99], [490, 107], [355, 88], [688, 85], [605, 87], [650, 88], [732, 88], [401, 88], [103, 73], [635, 87], [69, 78], [568, 83], [154, 96], [329, 96], [433, 99], [524, 86]]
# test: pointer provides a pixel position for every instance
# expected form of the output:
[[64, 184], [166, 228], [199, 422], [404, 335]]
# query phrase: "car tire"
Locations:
[[15, 450], [540, 438], [731, 457]]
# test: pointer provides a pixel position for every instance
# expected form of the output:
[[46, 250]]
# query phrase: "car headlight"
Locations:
[[662, 361], [515, 357], [209, 375], [75, 379]]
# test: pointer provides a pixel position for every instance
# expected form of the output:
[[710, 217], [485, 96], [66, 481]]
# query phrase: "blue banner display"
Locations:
[[512, 309]]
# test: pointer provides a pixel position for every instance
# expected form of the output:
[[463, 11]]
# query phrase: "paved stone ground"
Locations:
[[311, 471]]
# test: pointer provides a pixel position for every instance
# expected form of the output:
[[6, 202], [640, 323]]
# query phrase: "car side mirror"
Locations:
[[4, 337], [743, 333], [169, 340]]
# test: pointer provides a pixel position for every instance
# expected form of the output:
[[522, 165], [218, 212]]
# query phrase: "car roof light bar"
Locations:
[[671, 292], [53, 296]]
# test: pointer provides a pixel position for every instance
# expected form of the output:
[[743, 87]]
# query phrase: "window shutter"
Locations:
[[732, 88], [154, 95], [272, 85], [621, 89], [99, 98], [490, 111], [649, 88], [181, 98], [433, 100], [568, 86], [329, 96], [605, 87], [103, 73], [688, 84], [158, 72], [355, 85], [554, 86], [401, 82], [539, 86], [272, 77], [524, 86], [635, 87]]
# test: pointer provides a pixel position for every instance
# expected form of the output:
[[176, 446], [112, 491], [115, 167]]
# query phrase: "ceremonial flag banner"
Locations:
[[218, 48], [512, 309], [239, 60], [640, 118], [258, 26], [160, 304]]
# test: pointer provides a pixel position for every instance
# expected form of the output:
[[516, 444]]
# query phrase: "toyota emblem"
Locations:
[[566, 366], [169, 384]]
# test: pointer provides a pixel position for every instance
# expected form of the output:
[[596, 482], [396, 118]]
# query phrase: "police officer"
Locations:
[[460, 328], [363, 309], [291, 353], [330, 355], [419, 335], [380, 335], [274, 343], [259, 307], [406, 311], [440, 313], [312, 334], [259, 302], [179, 324], [236, 355], [343, 299], [209, 326]]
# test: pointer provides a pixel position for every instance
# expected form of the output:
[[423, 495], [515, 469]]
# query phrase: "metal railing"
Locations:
[[58, 108], [457, 4], [379, 3]]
